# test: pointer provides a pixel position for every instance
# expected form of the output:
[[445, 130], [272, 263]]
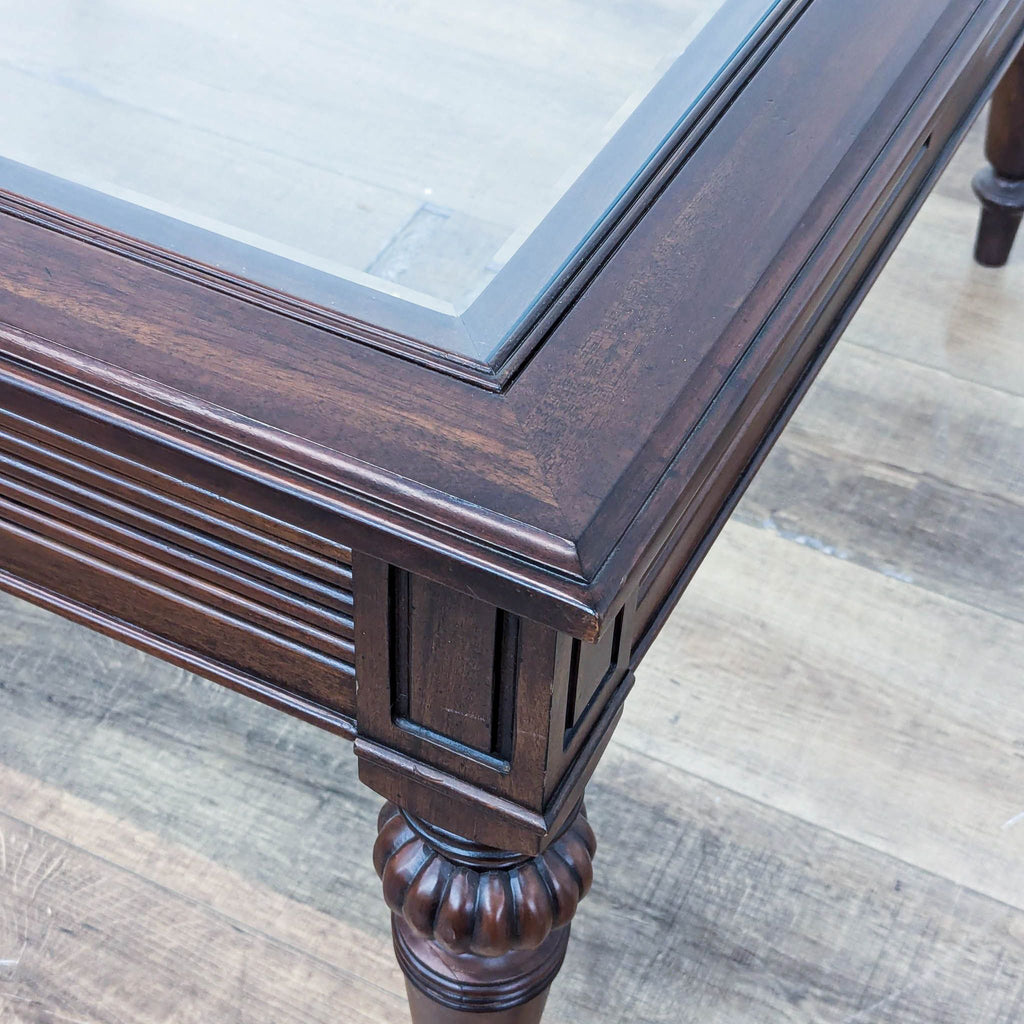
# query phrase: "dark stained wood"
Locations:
[[443, 641], [789, 340], [543, 479], [592, 668], [67, 562], [479, 930], [465, 579], [306, 584], [1001, 189], [502, 671], [483, 746], [1004, 143], [426, 1011]]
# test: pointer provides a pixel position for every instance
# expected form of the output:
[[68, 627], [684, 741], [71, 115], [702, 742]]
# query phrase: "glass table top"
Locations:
[[415, 148]]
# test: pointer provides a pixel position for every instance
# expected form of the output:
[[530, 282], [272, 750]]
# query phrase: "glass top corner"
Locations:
[[337, 151]]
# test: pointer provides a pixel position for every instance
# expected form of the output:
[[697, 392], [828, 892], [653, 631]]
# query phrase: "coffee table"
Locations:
[[398, 366]]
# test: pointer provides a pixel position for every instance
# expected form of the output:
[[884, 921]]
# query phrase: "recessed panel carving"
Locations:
[[590, 667], [453, 664]]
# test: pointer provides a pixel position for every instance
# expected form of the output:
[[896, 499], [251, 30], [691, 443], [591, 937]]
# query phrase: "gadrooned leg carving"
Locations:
[[1001, 186], [479, 933]]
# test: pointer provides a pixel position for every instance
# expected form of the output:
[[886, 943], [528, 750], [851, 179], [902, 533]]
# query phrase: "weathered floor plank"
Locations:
[[184, 759], [907, 470], [184, 872], [934, 305], [852, 700], [710, 908], [83, 940]]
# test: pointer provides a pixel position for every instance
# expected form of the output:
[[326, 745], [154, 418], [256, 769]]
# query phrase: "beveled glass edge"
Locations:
[[345, 306], [488, 342], [598, 197]]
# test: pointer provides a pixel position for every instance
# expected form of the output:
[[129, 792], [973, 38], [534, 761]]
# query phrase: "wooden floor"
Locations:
[[812, 813]]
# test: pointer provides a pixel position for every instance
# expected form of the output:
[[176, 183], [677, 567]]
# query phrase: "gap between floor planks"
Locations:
[[709, 909]]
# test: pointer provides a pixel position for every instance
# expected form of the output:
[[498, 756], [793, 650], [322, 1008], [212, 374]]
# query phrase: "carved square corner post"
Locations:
[[480, 728], [1000, 187]]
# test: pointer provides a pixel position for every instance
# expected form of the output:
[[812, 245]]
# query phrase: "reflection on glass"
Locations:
[[407, 144]]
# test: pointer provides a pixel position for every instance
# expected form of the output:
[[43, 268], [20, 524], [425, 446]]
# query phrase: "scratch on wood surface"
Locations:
[[877, 1005], [462, 713], [51, 1015], [55, 865], [1014, 820]]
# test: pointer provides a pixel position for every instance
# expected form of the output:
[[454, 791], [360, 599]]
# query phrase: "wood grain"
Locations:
[[548, 497], [736, 913], [727, 911], [816, 804], [791, 883], [954, 316], [85, 937], [96, 736], [905, 469], [859, 702]]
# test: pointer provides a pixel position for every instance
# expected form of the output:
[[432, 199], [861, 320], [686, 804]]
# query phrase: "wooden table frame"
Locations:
[[290, 501]]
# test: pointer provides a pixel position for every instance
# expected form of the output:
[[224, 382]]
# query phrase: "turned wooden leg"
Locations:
[[479, 933], [1001, 186]]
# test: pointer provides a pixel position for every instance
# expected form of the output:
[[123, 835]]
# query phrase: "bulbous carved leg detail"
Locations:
[[1001, 187], [479, 933]]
